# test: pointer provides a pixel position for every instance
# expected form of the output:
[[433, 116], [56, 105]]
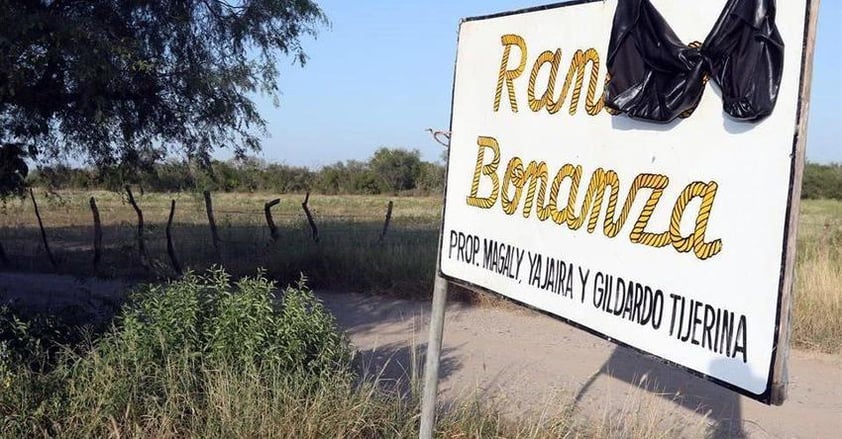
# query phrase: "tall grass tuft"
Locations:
[[817, 321]]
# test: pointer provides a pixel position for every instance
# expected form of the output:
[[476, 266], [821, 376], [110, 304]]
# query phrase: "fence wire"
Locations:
[[344, 225]]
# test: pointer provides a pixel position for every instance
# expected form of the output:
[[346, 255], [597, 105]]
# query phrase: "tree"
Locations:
[[112, 81], [398, 168], [822, 181]]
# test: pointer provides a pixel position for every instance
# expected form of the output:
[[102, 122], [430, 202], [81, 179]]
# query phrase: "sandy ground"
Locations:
[[528, 362]]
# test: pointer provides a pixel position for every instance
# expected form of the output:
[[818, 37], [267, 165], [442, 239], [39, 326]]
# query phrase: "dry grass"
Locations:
[[817, 313], [349, 229], [70, 208]]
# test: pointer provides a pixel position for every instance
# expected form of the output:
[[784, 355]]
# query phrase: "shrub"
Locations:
[[822, 181], [163, 362]]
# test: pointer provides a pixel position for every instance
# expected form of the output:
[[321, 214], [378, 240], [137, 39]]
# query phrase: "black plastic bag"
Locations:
[[654, 76]]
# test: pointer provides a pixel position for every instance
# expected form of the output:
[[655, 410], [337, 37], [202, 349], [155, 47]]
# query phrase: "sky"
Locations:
[[382, 73]]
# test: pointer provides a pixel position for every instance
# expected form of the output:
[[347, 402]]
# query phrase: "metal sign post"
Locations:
[[431, 368]]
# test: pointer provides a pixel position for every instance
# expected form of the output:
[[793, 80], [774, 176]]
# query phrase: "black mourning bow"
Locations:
[[654, 76]]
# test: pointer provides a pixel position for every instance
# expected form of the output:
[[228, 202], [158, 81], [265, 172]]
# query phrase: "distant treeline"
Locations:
[[395, 171], [390, 171], [822, 181]]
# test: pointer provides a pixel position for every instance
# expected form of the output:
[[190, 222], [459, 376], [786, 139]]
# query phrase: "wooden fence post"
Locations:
[[310, 218], [170, 247], [43, 232], [141, 245], [388, 219], [97, 234], [267, 210], [780, 359], [3, 259], [212, 223]]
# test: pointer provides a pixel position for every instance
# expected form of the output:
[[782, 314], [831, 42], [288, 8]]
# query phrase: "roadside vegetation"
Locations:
[[822, 181], [387, 171], [206, 356], [817, 322]]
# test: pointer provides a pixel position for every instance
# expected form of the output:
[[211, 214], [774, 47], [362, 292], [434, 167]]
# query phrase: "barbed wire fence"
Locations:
[[172, 236], [186, 231]]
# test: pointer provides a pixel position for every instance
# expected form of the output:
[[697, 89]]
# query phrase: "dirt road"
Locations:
[[529, 361]]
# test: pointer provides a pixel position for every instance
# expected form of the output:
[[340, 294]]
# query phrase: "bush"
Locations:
[[822, 182], [238, 323], [162, 364]]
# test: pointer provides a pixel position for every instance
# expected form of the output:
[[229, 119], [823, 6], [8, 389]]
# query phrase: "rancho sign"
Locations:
[[672, 237]]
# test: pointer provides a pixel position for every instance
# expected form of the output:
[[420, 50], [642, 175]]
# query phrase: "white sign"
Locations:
[[669, 238]]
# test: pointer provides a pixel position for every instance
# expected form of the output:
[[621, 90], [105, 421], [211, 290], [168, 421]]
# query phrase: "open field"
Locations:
[[349, 254]]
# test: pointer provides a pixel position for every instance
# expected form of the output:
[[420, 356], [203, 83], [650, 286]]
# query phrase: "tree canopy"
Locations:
[[398, 168], [127, 81]]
